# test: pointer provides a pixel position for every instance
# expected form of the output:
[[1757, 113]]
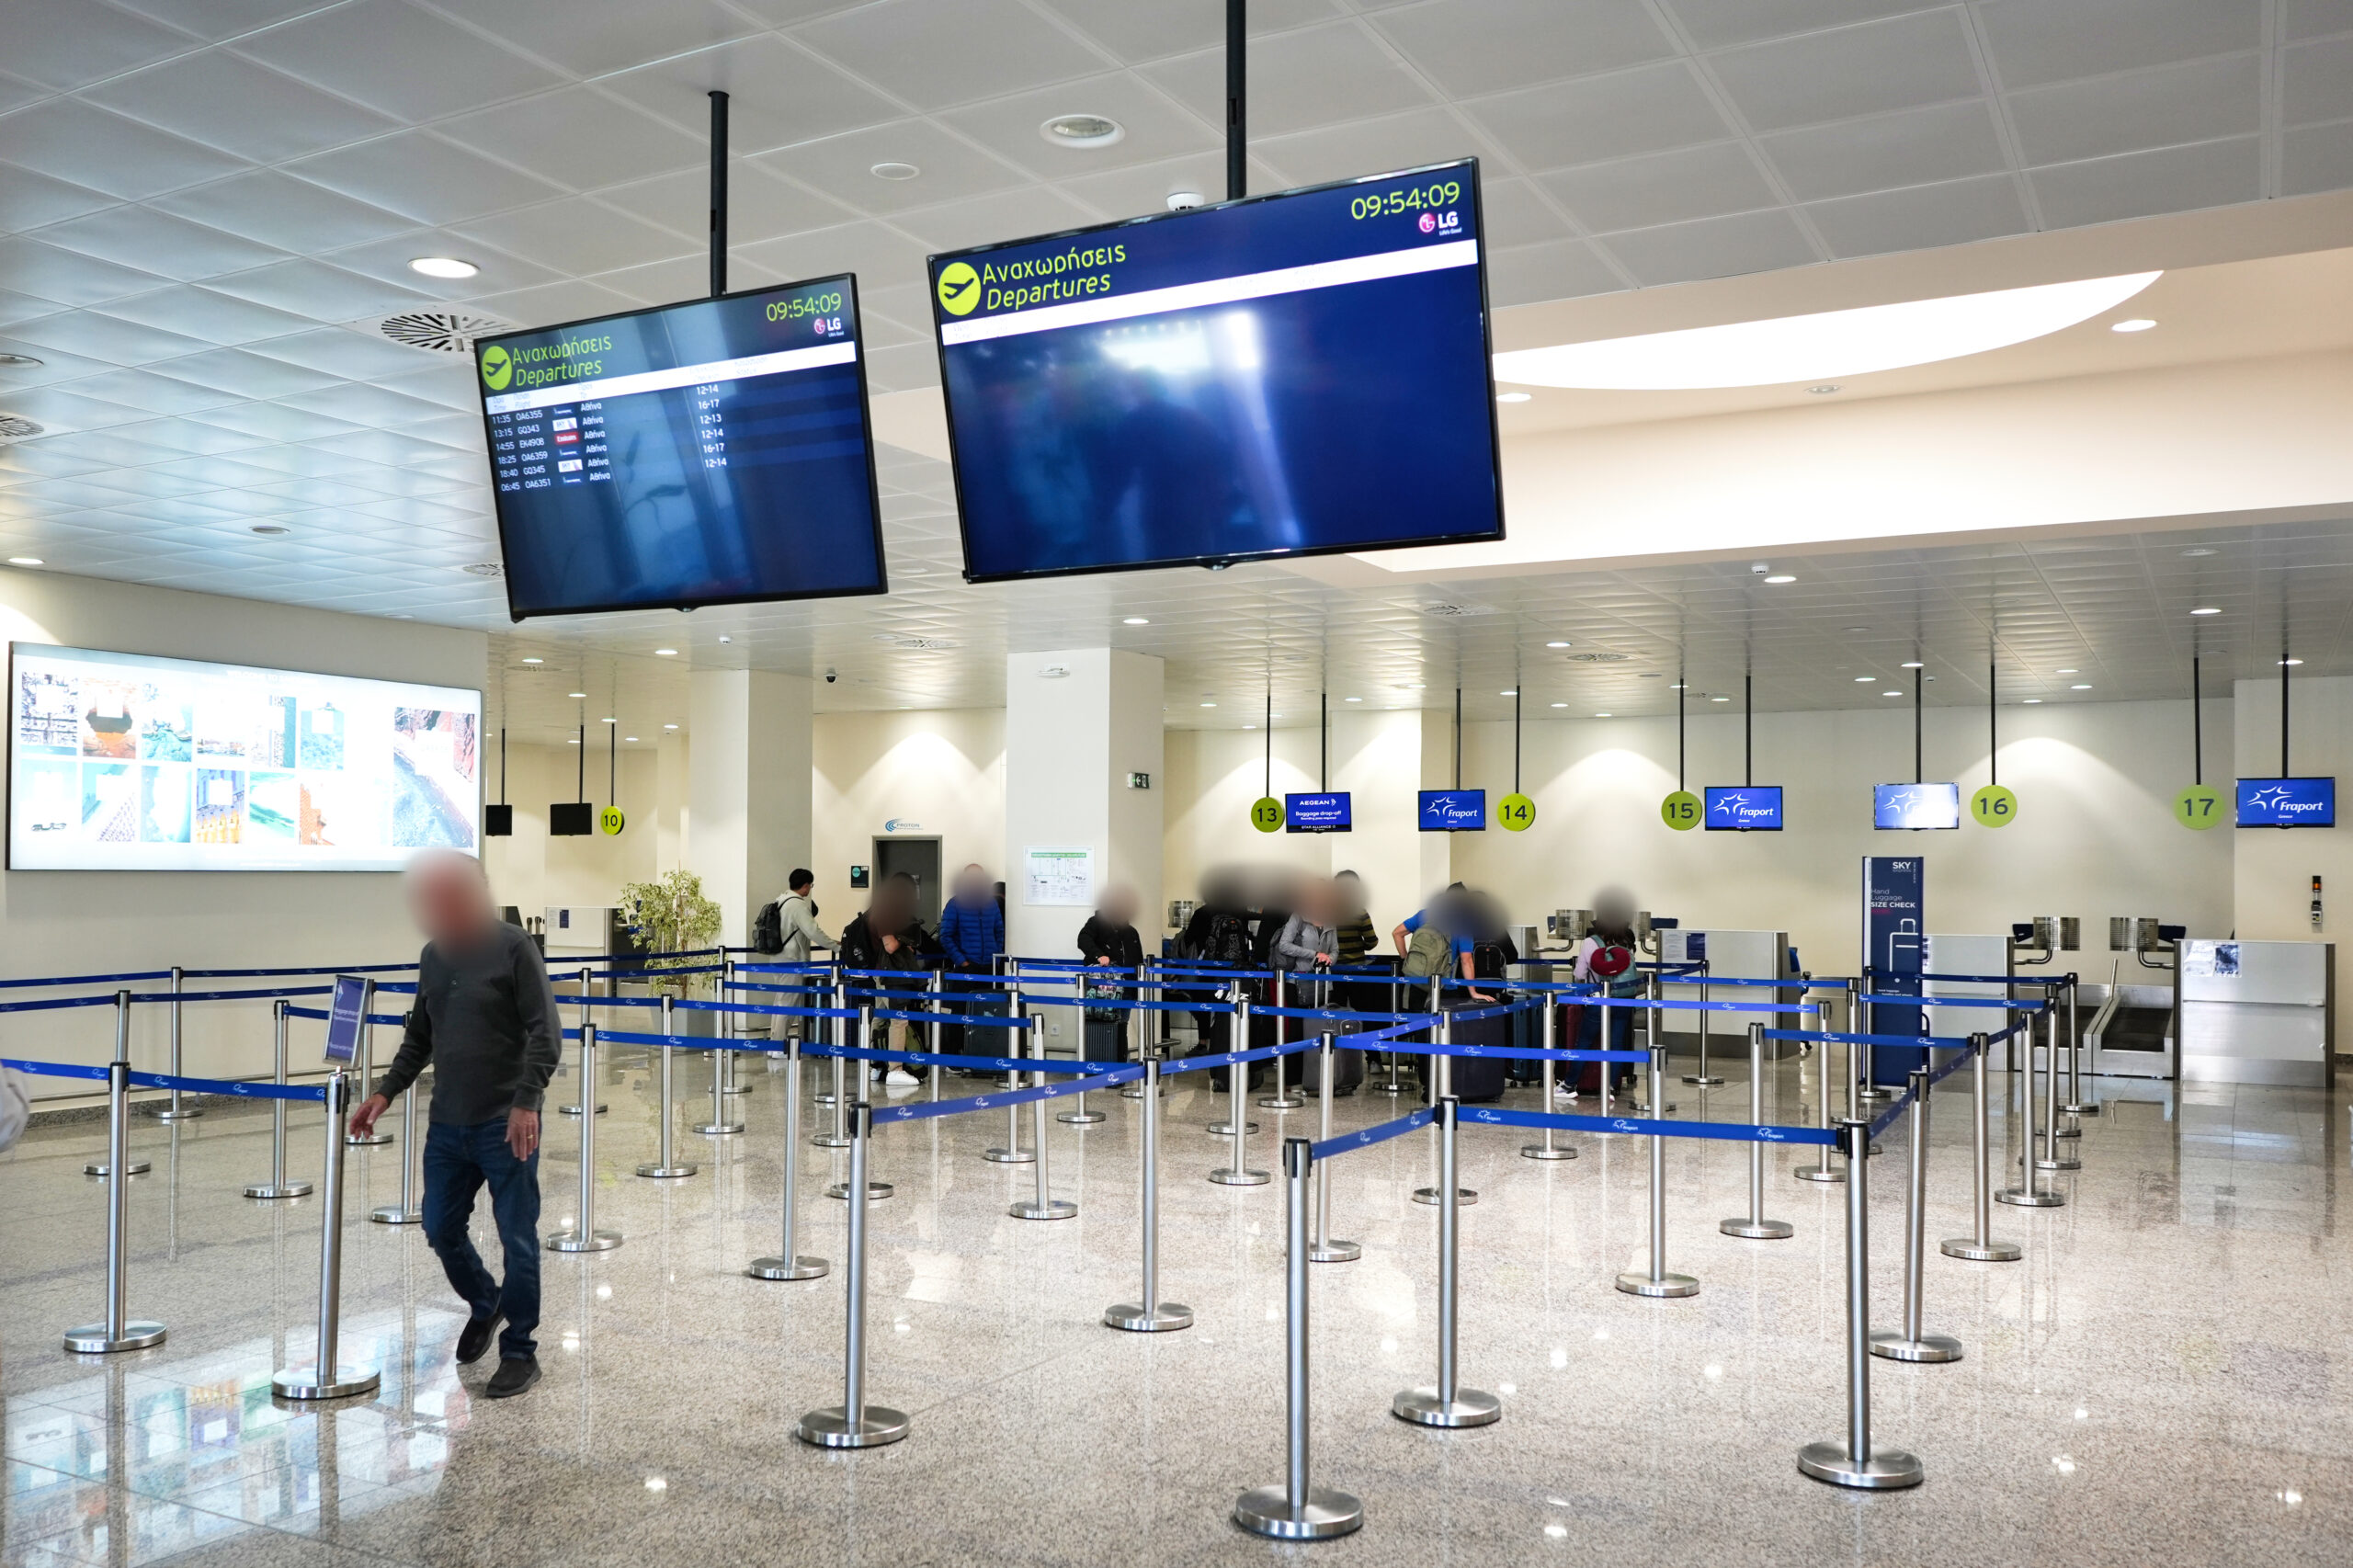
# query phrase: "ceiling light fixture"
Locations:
[[26, 561], [1604, 715], [270, 530], [579, 694], [669, 726], [665, 652], [2080, 686], [2135, 324], [1514, 397], [1779, 577], [1082, 130], [1865, 680], [1209, 704], [1135, 621], [895, 171], [1891, 694], [442, 267], [533, 661], [2291, 662], [2193, 553], [2207, 609], [1814, 347], [1512, 693], [2067, 672], [1559, 644], [610, 720], [2034, 702], [1352, 699], [1719, 699], [1914, 664], [1825, 390], [1560, 705]]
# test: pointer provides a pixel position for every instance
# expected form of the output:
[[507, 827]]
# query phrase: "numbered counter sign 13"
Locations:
[[1516, 813], [1680, 811], [2199, 807], [1997, 805], [1266, 816]]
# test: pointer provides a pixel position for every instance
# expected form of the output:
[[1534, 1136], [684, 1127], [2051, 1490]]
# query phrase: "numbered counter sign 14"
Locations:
[[611, 821], [1680, 811], [1516, 813], [2199, 807], [1997, 805], [1266, 816]]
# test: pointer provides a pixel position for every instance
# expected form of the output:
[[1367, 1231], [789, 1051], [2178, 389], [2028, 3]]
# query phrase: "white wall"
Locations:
[[937, 774], [93, 922], [531, 870], [1072, 737], [2275, 867]]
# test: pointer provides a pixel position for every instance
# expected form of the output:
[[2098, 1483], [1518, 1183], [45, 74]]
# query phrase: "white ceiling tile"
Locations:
[[143, 389], [589, 38], [1127, 193], [100, 335], [206, 314], [1869, 68], [315, 289], [779, 93], [989, 220], [1300, 80], [293, 214], [2034, 41], [71, 140], [154, 242], [45, 272], [1156, 128], [880, 255], [349, 49], [27, 201], [841, 166], [1644, 110], [217, 98], [557, 302], [2198, 102], [1922, 217], [760, 205], [937, 54], [1484, 46], [15, 93], [2312, 19], [1911, 147], [1713, 24], [1713, 247], [1511, 213], [1149, 32], [2317, 79], [1371, 146], [681, 278], [577, 137], [245, 374], [62, 44], [1556, 270], [2316, 158], [2175, 179], [1661, 188], [904, 369], [576, 235], [422, 177], [218, 19]]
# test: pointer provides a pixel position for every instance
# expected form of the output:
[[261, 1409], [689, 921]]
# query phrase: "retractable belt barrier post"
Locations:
[[118, 1330], [1078, 1115], [584, 1236], [1447, 1404], [1753, 1226], [122, 1055], [1821, 1170], [1282, 1099], [1239, 1039], [1548, 1149], [938, 1030], [375, 1137], [830, 1097], [1909, 1344], [1855, 1462], [666, 1166], [1045, 1205], [1704, 1078], [2029, 1192], [329, 1376], [1441, 1068], [1326, 1249], [875, 1191], [1297, 1510], [1148, 1314], [854, 1423], [788, 1263], [1012, 1152], [173, 1111], [1657, 1283], [730, 1077], [406, 1211], [277, 1186], [1981, 1247], [1149, 1022], [588, 1017], [2052, 1159], [2077, 1104], [1862, 1082], [1238, 1172]]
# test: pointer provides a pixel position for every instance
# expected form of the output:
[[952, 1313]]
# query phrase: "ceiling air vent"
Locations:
[[441, 332], [1601, 658], [1453, 607], [483, 568], [16, 427]]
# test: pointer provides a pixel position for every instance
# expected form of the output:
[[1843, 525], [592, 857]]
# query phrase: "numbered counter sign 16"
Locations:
[[1997, 805], [2199, 807], [1516, 813], [1680, 811], [1266, 816], [611, 821]]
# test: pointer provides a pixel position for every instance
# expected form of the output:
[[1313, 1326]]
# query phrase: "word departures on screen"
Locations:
[[1743, 808], [1915, 807], [1317, 813], [1290, 374], [2288, 802], [1453, 810], [718, 451], [126, 762]]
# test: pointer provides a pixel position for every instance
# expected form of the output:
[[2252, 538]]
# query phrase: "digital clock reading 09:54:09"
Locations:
[[1444, 194], [801, 305]]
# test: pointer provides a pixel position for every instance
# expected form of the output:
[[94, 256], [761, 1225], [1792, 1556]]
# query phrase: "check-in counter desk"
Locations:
[[2258, 1012]]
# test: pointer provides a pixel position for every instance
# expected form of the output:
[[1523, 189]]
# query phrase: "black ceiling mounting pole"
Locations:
[[502, 765], [2283, 706], [1237, 79], [1920, 685], [1458, 737], [580, 785], [1270, 741], [613, 768], [1324, 740], [718, 194], [1514, 737], [1993, 727], [1682, 690], [1747, 728], [2197, 727]]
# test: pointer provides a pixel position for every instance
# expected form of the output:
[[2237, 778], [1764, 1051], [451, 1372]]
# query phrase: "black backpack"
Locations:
[[767, 930], [1229, 940]]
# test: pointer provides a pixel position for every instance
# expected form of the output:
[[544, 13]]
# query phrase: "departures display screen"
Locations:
[[717, 451], [1285, 375]]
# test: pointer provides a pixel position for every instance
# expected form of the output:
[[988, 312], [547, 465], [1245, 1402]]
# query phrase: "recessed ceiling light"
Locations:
[[2034, 701], [26, 561], [665, 652], [1249, 726], [442, 267], [669, 726], [2291, 661], [612, 721], [628, 737], [1560, 705], [1719, 699], [1891, 694], [1183, 201], [1604, 715], [895, 171], [2207, 609], [724, 637], [1825, 389], [532, 661], [1810, 348], [1850, 630], [1209, 704], [2081, 686], [1559, 644], [1135, 621], [572, 740], [1352, 699], [1865, 680], [17, 363], [2067, 672], [1082, 131], [1914, 664], [1512, 693], [2136, 324], [581, 694], [1780, 577], [1514, 397]]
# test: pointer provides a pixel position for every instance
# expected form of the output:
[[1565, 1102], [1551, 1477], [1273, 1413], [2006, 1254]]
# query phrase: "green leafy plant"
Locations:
[[670, 915]]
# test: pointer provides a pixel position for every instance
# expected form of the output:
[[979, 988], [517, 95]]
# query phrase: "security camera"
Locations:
[[832, 675]]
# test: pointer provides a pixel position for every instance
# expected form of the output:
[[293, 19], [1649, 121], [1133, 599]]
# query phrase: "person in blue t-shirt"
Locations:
[[1449, 916]]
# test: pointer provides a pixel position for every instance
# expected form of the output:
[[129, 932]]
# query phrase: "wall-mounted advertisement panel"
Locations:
[[128, 761]]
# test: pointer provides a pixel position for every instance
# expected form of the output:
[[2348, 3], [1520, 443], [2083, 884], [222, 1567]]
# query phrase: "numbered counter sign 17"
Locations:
[[1680, 811], [1516, 813], [1997, 805], [1266, 816], [2199, 807], [611, 821]]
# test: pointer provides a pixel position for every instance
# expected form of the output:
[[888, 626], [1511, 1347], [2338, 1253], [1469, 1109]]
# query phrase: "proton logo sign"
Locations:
[[901, 825]]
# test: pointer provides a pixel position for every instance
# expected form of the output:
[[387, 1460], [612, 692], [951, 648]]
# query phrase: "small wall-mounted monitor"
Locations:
[[571, 819], [2288, 802], [1903, 808], [1317, 813], [1453, 810], [1743, 808]]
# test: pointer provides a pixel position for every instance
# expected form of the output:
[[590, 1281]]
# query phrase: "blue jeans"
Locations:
[[459, 1163]]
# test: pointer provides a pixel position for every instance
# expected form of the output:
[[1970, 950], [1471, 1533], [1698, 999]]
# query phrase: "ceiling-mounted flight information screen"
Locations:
[[717, 451]]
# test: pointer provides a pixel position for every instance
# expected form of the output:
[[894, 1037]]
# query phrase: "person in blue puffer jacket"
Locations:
[[971, 929]]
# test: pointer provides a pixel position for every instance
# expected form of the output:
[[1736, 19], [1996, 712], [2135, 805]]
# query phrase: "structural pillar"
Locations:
[[1078, 722], [748, 788]]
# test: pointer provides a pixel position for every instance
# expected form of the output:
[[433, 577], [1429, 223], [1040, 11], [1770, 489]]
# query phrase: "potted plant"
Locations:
[[670, 916]]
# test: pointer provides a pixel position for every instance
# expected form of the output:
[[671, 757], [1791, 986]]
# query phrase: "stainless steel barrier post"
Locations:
[[1704, 1078], [1395, 1085], [721, 1124], [1238, 1037], [1148, 1314], [1547, 1150], [1909, 1344], [588, 1017], [1282, 1099], [1448, 1403], [937, 1031], [667, 1164], [1296, 1510], [1866, 1084], [1012, 1152], [121, 1059], [1045, 1205], [584, 1236], [1078, 1115], [277, 1186], [174, 1110], [839, 1099], [875, 1190], [1657, 1282], [366, 1080], [120, 1330], [406, 1211], [1238, 1172], [2029, 1192], [833, 988], [1442, 1088], [731, 1025], [1855, 1462], [1821, 1170], [1144, 1024], [854, 1423], [1326, 1248], [2052, 1158], [2077, 1104], [1980, 1247], [788, 1263], [1755, 1227], [329, 1376]]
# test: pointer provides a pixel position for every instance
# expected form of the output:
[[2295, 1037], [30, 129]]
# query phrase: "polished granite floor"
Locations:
[[2165, 1378]]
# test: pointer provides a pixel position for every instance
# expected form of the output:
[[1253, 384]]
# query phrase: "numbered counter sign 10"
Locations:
[[2199, 807], [611, 821], [1997, 805], [1266, 816], [1516, 813], [1680, 811]]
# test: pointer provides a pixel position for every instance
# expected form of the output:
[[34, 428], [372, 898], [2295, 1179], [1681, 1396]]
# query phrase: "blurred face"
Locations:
[[1613, 910], [972, 884], [892, 907], [450, 899], [1120, 907]]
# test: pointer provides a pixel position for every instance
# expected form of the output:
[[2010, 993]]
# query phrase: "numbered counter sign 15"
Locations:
[[1680, 811], [1266, 816], [1516, 813], [611, 821], [1997, 805], [2199, 807]]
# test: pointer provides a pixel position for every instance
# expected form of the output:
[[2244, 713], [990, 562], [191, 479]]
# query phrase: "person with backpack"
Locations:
[[1438, 939], [1606, 959], [1219, 935], [972, 935], [791, 924], [1309, 945], [1110, 940], [889, 937]]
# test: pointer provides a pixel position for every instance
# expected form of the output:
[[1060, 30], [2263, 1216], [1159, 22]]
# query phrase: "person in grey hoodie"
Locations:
[[1308, 945], [797, 915]]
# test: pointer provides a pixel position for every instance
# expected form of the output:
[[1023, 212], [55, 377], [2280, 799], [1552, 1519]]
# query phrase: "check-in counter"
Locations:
[[2258, 1012]]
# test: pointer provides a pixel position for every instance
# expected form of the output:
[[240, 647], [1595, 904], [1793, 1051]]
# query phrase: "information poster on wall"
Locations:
[[1059, 878], [1894, 950], [127, 762]]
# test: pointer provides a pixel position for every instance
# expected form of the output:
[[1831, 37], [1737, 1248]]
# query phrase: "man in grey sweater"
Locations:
[[485, 1018]]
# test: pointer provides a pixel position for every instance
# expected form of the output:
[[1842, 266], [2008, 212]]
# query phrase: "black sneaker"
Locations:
[[514, 1377], [475, 1338]]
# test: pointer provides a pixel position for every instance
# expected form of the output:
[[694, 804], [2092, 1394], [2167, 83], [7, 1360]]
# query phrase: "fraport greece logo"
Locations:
[[497, 367], [959, 289]]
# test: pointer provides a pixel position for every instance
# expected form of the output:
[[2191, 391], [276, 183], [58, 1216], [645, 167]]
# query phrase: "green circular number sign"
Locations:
[[1268, 814], [1997, 805], [1680, 811], [2200, 807], [1516, 813], [611, 820]]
